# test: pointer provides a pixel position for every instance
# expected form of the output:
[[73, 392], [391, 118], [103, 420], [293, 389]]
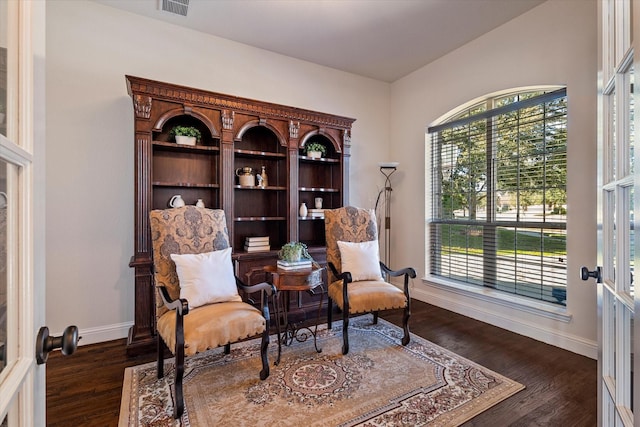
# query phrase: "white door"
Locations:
[[22, 388], [617, 209]]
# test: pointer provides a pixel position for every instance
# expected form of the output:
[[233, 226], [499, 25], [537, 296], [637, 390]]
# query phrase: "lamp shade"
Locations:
[[388, 165]]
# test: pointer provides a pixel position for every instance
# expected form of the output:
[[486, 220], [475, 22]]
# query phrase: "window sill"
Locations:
[[538, 308]]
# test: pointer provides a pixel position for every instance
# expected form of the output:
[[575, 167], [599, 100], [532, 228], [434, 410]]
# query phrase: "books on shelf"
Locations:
[[260, 248], [316, 213], [256, 241], [292, 265]]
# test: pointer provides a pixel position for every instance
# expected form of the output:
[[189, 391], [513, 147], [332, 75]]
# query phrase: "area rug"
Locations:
[[379, 383]]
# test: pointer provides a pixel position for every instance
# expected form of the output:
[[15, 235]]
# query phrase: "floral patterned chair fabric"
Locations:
[[182, 231], [348, 224], [352, 224], [185, 330]]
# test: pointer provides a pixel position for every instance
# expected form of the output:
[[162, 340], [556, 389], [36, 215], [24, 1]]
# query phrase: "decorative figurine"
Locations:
[[265, 181]]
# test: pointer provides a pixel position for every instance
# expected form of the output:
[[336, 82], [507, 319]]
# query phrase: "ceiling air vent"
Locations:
[[179, 7]]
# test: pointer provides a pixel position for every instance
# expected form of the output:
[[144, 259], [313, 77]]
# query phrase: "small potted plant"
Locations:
[[186, 135], [293, 252], [315, 150]]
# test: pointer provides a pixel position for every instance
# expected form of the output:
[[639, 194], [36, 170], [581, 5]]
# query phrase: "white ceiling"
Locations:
[[380, 39]]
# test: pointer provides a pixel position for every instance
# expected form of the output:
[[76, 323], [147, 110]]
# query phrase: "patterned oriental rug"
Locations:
[[379, 383]]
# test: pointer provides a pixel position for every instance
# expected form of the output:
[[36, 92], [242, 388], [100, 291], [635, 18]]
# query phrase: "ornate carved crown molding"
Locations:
[[347, 137], [227, 119], [149, 88], [294, 129], [142, 106]]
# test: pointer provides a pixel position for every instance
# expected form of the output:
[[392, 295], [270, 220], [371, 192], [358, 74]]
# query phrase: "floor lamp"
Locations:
[[387, 169]]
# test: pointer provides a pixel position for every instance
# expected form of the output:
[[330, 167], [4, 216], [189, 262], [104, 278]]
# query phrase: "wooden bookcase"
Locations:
[[236, 133]]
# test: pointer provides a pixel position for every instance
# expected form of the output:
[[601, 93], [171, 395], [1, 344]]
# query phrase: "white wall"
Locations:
[[555, 43], [89, 130]]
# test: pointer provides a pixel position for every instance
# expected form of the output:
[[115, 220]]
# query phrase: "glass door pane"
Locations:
[[4, 43], [3, 265]]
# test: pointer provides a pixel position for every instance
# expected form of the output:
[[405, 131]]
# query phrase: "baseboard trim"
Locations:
[[102, 333], [441, 299], [465, 307]]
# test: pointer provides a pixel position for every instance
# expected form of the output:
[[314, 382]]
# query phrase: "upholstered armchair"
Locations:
[[356, 281], [198, 306]]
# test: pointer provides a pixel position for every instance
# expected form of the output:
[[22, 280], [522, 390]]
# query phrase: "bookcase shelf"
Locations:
[[321, 160], [320, 190], [185, 184], [260, 218], [256, 188], [172, 146], [259, 154]]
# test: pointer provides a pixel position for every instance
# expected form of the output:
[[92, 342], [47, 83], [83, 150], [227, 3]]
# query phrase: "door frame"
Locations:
[[617, 302], [23, 382]]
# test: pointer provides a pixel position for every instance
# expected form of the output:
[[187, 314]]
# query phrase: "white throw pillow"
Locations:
[[362, 260], [206, 278]]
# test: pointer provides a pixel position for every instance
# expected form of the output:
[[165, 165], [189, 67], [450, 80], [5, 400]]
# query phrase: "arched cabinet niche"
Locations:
[[319, 179], [193, 172], [259, 209]]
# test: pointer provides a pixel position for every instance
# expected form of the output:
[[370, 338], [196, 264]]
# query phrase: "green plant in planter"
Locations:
[[186, 131], [315, 146], [294, 251]]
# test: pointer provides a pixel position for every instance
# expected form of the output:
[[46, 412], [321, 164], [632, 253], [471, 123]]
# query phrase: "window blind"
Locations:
[[499, 197]]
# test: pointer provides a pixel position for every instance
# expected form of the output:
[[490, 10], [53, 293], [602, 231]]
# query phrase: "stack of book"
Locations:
[[316, 213], [257, 244], [293, 265]]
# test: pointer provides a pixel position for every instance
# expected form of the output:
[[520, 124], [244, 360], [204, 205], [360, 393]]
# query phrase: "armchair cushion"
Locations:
[[368, 295], [361, 259], [212, 325], [206, 278]]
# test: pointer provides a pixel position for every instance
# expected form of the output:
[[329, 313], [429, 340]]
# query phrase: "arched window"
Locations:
[[498, 195]]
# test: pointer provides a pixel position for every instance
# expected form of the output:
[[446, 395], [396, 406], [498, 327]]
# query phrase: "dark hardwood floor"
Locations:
[[84, 389]]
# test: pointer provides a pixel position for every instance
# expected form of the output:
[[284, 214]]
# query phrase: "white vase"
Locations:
[[176, 201], [185, 140], [303, 210], [200, 203]]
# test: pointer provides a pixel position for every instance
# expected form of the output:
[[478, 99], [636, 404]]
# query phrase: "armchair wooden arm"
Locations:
[[346, 276], [180, 304], [266, 290], [410, 272], [250, 289]]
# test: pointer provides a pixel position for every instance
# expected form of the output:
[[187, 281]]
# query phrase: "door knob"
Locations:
[[585, 274], [67, 342]]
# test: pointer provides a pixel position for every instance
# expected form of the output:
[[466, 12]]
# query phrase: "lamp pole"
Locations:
[[387, 169]]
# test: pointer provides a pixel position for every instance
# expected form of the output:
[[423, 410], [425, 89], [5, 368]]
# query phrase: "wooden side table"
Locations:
[[287, 281]]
